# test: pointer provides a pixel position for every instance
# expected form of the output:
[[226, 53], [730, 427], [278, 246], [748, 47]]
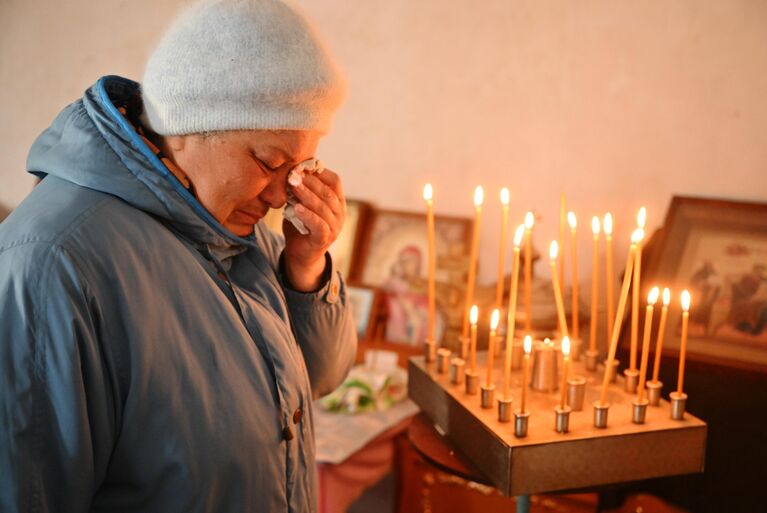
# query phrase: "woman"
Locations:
[[159, 349]]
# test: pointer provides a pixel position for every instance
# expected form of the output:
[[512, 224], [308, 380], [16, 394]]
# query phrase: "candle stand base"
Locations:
[[430, 351], [576, 392], [678, 403], [504, 409], [520, 423], [614, 371], [488, 394], [457, 368], [591, 360], [472, 382], [531, 457], [639, 411], [632, 380], [600, 414], [653, 392], [562, 419], [443, 359]]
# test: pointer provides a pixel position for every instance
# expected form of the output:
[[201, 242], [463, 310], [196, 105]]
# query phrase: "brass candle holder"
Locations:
[[457, 370], [591, 358], [545, 359], [521, 419], [471, 379], [562, 419], [487, 395], [678, 404], [430, 350], [443, 359], [632, 380], [639, 410], [504, 409], [653, 392], [600, 414], [576, 392]]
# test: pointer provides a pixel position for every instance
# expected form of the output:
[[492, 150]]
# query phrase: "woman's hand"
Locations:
[[322, 208]]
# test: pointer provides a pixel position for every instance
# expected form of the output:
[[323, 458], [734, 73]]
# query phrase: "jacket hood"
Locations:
[[91, 144]]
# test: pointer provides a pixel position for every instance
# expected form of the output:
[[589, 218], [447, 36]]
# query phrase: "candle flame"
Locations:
[[474, 314], [637, 236], [641, 217], [518, 235], [686, 300], [505, 196], [595, 225], [666, 296], [479, 196], [553, 250], [571, 220], [494, 319], [529, 220], [608, 224], [547, 340], [528, 344], [427, 192], [566, 346], [652, 297]]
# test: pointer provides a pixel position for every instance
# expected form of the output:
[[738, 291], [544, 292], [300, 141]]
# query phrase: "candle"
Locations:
[[636, 238], [566, 367], [641, 219], [594, 285], [651, 299], [610, 288], [529, 223], [479, 196], [512, 314], [502, 246], [683, 344], [528, 345], [473, 317], [496, 316], [661, 333], [553, 251], [427, 196], [575, 321], [561, 241]]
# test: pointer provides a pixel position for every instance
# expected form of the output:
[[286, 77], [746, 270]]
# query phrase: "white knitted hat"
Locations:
[[240, 64]]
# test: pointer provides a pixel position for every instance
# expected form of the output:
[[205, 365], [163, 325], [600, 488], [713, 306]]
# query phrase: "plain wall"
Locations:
[[615, 103]]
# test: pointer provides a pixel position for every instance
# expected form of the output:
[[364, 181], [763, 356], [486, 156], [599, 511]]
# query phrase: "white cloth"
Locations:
[[240, 65]]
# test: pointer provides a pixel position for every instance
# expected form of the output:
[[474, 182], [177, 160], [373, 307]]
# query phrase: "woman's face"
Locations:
[[239, 175]]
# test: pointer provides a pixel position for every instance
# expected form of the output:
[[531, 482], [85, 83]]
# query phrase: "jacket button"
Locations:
[[297, 416]]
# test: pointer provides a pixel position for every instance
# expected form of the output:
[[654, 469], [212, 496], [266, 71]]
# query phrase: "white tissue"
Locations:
[[295, 178]]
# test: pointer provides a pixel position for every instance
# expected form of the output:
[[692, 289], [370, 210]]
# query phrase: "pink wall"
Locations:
[[616, 103]]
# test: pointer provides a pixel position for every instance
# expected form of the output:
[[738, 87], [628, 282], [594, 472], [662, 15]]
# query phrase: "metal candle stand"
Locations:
[[532, 454], [443, 359]]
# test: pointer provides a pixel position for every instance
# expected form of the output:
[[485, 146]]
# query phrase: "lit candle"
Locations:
[[512, 314], [610, 288], [575, 321], [594, 285], [566, 368], [651, 299], [528, 345], [502, 247], [561, 241], [641, 219], [529, 223], [661, 333], [636, 238], [495, 317], [427, 196], [473, 317], [683, 343], [553, 251], [479, 196]]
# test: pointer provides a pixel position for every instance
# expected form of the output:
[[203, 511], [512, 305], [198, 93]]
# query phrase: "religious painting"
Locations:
[[364, 304], [394, 260], [718, 251], [345, 248]]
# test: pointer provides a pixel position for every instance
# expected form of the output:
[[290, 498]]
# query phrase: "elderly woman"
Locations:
[[159, 349]]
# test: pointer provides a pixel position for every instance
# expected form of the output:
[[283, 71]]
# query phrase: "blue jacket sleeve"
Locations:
[[56, 408], [322, 323]]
